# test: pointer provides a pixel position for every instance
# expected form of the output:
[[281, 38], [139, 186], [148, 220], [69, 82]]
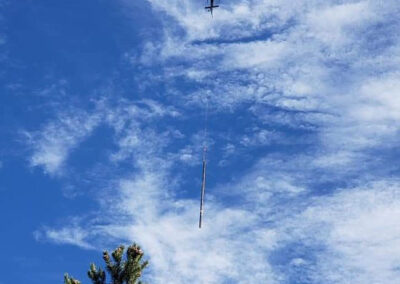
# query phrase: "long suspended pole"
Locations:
[[203, 187], [203, 177]]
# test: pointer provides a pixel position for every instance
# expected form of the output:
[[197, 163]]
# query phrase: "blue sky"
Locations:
[[102, 112]]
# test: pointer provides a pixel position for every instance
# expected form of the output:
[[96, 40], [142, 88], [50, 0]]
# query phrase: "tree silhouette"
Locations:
[[122, 270]]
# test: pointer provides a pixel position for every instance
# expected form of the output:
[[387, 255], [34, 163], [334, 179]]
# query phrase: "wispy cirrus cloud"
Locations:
[[71, 235], [52, 145], [317, 78], [314, 72], [350, 236], [315, 238], [147, 211]]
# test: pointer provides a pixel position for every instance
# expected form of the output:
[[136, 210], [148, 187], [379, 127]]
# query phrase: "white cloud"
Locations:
[[355, 226], [334, 24], [68, 235], [188, 155], [52, 145], [358, 229], [166, 228], [254, 54], [259, 137], [312, 66]]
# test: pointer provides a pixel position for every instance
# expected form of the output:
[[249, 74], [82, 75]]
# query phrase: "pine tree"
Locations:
[[70, 280], [97, 276], [122, 271]]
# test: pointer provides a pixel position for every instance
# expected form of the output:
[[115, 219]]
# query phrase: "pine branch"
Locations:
[[122, 271], [97, 276], [70, 280]]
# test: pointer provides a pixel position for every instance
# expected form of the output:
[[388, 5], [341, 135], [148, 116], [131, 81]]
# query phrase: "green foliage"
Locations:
[[134, 264], [122, 271], [70, 280], [97, 276]]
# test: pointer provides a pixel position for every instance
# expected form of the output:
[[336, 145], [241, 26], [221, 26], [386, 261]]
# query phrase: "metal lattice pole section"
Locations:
[[203, 187], [203, 179]]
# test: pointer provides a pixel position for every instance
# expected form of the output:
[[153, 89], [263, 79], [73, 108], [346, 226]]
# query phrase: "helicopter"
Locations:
[[211, 6]]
